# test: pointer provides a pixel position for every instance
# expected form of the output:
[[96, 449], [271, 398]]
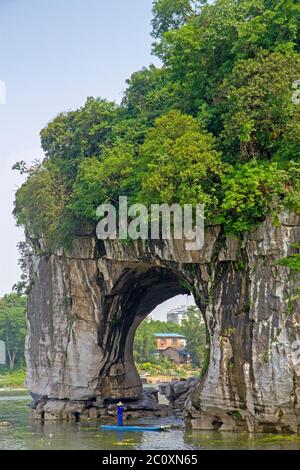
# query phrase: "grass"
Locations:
[[167, 369], [12, 378]]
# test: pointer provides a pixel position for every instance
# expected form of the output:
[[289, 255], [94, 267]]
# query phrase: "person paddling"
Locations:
[[120, 408]]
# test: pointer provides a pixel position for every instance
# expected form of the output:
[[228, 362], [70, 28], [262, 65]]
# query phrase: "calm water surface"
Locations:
[[26, 433]]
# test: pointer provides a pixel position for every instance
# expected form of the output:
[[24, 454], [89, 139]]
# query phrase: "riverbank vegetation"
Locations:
[[13, 328], [12, 378], [217, 123], [163, 369]]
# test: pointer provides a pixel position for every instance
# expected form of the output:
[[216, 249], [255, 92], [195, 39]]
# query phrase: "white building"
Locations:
[[177, 315], [2, 353]]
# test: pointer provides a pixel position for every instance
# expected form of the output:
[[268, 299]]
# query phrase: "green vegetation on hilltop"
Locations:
[[215, 125]]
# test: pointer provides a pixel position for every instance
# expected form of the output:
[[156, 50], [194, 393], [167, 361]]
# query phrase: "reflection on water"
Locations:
[[25, 433], [240, 441]]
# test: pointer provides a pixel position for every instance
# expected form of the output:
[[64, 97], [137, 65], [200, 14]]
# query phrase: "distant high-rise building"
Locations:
[[150, 317], [177, 315]]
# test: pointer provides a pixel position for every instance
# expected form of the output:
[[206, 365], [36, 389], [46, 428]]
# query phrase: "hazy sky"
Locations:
[[54, 54], [160, 312]]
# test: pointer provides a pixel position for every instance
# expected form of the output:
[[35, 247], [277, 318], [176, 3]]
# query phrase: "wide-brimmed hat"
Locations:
[[120, 403]]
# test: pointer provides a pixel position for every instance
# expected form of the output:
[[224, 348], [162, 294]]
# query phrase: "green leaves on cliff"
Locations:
[[249, 191], [42, 205], [103, 180], [259, 119], [255, 189], [215, 124], [179, 162], [292, 262]]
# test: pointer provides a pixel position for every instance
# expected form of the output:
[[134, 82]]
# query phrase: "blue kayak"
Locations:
[[131, 428]]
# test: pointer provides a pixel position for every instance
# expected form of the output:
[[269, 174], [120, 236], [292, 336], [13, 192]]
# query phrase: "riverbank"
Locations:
[[14, 379], [162, 379], [155, 373]]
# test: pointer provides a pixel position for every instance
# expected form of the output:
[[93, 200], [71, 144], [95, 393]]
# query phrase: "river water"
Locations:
[[26, 433]]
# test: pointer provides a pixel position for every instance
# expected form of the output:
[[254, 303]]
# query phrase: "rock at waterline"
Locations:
[[176, 392]]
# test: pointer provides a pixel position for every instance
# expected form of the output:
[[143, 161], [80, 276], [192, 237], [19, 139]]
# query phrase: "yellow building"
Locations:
[[172, 346], [170, 340]]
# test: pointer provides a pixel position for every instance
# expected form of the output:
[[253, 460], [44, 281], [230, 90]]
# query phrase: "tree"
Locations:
[[78, 134], [272, 25], [43, 199], [200, 54], [13, 327], [172, 14], [150, 93], [178, 162], [101, 181], [195, 332], [249, 190], [261, 120]]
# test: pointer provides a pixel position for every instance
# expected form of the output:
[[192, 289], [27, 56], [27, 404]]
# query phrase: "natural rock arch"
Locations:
[[135, 294], [85, 306]]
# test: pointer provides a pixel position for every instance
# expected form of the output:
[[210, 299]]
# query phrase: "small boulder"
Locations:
[[177, 392]]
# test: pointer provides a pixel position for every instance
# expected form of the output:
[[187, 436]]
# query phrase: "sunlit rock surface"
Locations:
[[84, 308]]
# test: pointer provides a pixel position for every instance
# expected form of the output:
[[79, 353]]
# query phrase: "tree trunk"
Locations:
[[12, 361], [12, 358]]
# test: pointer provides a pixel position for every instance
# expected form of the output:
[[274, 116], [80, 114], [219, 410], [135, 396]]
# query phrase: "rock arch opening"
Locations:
[[169, 342], [136, 294]]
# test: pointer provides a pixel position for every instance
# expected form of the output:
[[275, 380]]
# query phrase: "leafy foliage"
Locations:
[[13, 327], [42, 201], [261, 120], [14, 378], [249, 192], [179, 162], [102, 180], [195, 332], [172, 14], [293, 261]]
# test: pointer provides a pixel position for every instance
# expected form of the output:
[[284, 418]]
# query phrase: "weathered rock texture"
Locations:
[[52, 409], [85, 306], [177, 392]]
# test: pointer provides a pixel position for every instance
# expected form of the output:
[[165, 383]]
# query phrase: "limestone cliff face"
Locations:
[[253, 317], [85, 306]]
